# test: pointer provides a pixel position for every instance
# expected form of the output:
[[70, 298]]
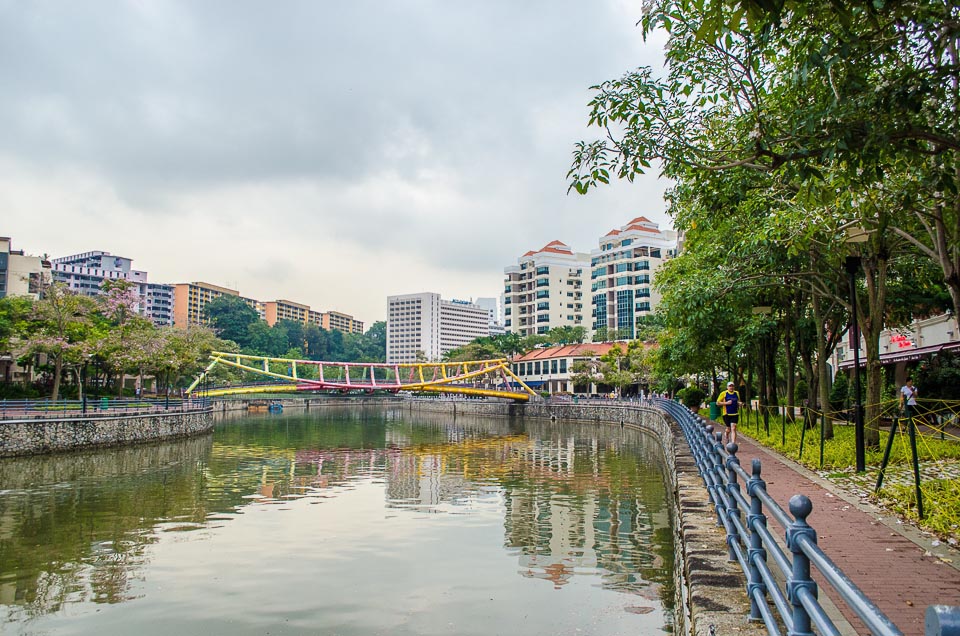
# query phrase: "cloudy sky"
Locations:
[[330, 153]]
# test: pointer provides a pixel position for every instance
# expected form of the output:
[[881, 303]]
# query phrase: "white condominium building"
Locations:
[[493, 310], [425, 326], [622, 271], [545, 290], [84, 273]]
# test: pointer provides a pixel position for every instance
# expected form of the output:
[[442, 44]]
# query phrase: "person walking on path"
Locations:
[[908, 398], [730, 401]]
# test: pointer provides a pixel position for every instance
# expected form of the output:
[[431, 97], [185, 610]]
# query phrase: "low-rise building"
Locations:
[[551, 368], [921, 339]]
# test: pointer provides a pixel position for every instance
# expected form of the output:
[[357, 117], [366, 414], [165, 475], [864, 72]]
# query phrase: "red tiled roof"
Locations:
[[612, 232], [639, 219], [643, 229], [554, 247], [587, 349]]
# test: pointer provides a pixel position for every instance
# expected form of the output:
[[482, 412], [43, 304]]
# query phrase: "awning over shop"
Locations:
[[908, 355]]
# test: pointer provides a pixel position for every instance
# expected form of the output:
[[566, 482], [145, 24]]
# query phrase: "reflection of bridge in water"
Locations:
[[486, 378]]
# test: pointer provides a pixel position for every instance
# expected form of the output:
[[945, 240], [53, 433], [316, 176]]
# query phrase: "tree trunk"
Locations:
[[823, 372], [57, 374], [871, 322]]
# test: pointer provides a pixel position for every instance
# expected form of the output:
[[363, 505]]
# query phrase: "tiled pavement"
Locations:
[[899, 568]]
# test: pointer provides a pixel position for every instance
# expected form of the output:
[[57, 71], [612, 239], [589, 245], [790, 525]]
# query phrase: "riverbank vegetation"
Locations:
[[70, 341]]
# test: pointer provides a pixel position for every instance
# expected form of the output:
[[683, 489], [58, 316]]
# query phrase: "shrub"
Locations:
[[691, 397]]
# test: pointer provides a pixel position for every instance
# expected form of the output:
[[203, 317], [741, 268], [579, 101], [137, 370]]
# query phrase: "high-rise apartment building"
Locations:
[[84, 274], [493, 312], [20, 274], [622, 271], [276, 310], [545, 290], [425, 326], [191, 298], [341, 322]]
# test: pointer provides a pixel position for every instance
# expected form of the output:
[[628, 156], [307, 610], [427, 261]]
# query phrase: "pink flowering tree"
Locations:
[[61, 328]]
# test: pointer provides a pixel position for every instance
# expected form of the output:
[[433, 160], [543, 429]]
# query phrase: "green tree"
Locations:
[[60, 327], [231, 317]]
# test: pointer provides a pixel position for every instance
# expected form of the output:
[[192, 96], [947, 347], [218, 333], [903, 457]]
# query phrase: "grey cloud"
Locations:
[[169, 101]]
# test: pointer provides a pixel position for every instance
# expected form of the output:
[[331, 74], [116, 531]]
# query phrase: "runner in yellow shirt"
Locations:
[[729, 400]]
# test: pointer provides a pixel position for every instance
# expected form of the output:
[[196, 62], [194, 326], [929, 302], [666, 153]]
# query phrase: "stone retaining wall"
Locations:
[[33, 437], [711, 597]]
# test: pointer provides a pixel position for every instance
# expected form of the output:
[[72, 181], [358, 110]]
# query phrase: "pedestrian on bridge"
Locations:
[[730, 401]]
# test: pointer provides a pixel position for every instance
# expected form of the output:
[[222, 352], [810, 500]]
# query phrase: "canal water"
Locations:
[[351, 522]]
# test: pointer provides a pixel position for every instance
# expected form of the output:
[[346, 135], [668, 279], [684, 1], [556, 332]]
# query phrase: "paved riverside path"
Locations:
[[894, 564]]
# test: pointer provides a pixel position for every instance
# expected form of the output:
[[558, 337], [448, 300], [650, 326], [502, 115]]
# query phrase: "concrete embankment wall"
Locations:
[[711, 596], [36, 436], [305, 404]]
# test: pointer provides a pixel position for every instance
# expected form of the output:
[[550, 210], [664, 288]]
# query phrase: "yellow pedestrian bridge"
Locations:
[[487, 378]]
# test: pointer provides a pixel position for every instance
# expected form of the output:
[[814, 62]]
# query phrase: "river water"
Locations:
[[351, 522]]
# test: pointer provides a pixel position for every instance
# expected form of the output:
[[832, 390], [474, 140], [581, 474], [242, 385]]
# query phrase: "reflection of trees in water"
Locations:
[[579, 498], [75, 527]]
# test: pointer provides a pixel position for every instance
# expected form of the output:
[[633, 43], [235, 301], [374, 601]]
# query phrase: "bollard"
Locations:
[[733, 512], [755, 518], [942, 620], [800, 581]]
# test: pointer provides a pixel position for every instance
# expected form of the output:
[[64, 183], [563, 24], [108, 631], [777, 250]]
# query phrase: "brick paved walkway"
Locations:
[[900, 570]]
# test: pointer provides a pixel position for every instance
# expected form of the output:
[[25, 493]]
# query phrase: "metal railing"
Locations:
[[750, 542], [96, 407]]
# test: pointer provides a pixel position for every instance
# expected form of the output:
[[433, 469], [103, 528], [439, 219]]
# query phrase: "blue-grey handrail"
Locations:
[[750, 542]]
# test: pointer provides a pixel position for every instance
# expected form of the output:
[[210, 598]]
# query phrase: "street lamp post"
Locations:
[[852, 266]]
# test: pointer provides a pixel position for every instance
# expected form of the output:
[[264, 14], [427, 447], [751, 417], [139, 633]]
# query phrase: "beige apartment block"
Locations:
[[21, 274], [346, 323], [277, 310], [545, 290], [189, 299]]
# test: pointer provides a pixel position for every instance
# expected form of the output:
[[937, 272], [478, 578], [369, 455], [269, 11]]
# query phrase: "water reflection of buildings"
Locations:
[[592, 510], [577, 501]]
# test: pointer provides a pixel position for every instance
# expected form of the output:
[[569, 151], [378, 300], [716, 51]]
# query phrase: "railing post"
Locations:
[[712, 463], [942, 620], [733, 512], [800, 581], [754, 519]]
